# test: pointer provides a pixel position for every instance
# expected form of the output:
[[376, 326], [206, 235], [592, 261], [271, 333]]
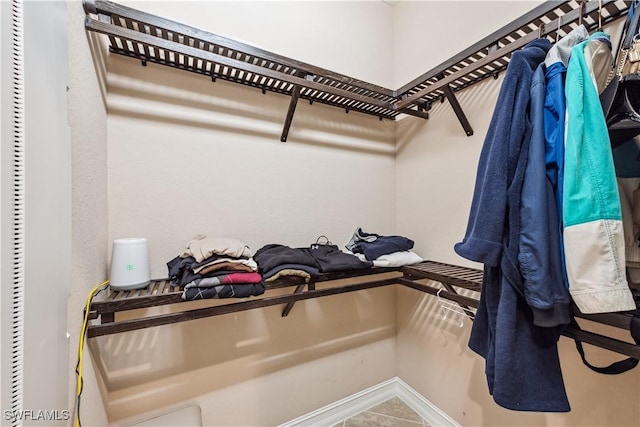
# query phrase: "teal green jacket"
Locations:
[[593, 235]]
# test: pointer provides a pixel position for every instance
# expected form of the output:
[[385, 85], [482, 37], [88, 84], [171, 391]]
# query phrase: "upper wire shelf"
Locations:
[[150, 38]]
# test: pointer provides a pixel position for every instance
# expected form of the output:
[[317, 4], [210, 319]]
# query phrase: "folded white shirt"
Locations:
[[395, 259]]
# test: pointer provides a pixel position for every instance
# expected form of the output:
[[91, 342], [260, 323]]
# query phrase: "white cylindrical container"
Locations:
[[130, 267]]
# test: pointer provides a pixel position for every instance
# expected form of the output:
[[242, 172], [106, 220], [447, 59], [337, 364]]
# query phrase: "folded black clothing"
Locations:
[[270, 256], [181, 271], [177, 267], [239, 290], [330, 258]]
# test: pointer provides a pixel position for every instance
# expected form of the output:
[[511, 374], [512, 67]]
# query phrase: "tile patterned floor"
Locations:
[[392, 413]]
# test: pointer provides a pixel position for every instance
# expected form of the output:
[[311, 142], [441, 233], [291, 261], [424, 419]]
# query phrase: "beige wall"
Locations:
[[426, 33], [255, 367], [343, 36], [434, 359], [187, 156], [88, 120], [435, 175]]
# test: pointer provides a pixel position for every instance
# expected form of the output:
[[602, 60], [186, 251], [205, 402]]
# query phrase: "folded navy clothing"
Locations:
[[313, 271], [330, 258], [373, 245], [384, 245], [360, 236], [270, 256]]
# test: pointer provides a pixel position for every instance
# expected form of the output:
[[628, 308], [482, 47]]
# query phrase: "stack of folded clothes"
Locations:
[[275, 260], [215, 267], [383, 251]]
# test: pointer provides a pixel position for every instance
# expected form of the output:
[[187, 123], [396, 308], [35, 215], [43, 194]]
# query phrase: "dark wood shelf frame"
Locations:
[[451, 277], [150, 38], [435, 278], [162, 292]]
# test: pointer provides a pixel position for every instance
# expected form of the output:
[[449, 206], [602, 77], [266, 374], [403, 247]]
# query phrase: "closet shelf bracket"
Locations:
[[462, 118], [295, 94], [290, 304]]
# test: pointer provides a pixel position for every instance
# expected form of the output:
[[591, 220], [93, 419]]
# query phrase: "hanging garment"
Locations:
[[554, 121], [555, 105], [593, 232], [599, 59], [522, 364], [626, 158], [621, 100], [540, 258]]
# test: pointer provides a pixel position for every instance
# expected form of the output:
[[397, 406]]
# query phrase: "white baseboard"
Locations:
[[427, 410], [342, 409]]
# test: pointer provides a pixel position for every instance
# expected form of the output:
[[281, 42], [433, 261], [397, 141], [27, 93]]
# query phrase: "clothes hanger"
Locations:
[[599, 16], [583, 3], [326, 241]]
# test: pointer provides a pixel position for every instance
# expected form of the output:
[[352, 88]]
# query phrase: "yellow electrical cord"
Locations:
[[83, 332]]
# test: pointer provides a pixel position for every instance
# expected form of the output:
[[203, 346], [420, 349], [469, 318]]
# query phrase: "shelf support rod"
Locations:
[[295, 94], [448, 92]]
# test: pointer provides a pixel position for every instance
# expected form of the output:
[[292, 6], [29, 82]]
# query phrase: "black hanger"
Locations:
[[326, 240]]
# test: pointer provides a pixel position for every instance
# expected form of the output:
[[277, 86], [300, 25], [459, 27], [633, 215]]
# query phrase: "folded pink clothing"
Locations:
[[242, 278], [226, 279]]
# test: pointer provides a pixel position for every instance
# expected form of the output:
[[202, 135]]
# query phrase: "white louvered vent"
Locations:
[[18, 201]]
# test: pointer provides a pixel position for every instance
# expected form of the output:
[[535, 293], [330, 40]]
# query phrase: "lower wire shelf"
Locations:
[[432, 277]]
